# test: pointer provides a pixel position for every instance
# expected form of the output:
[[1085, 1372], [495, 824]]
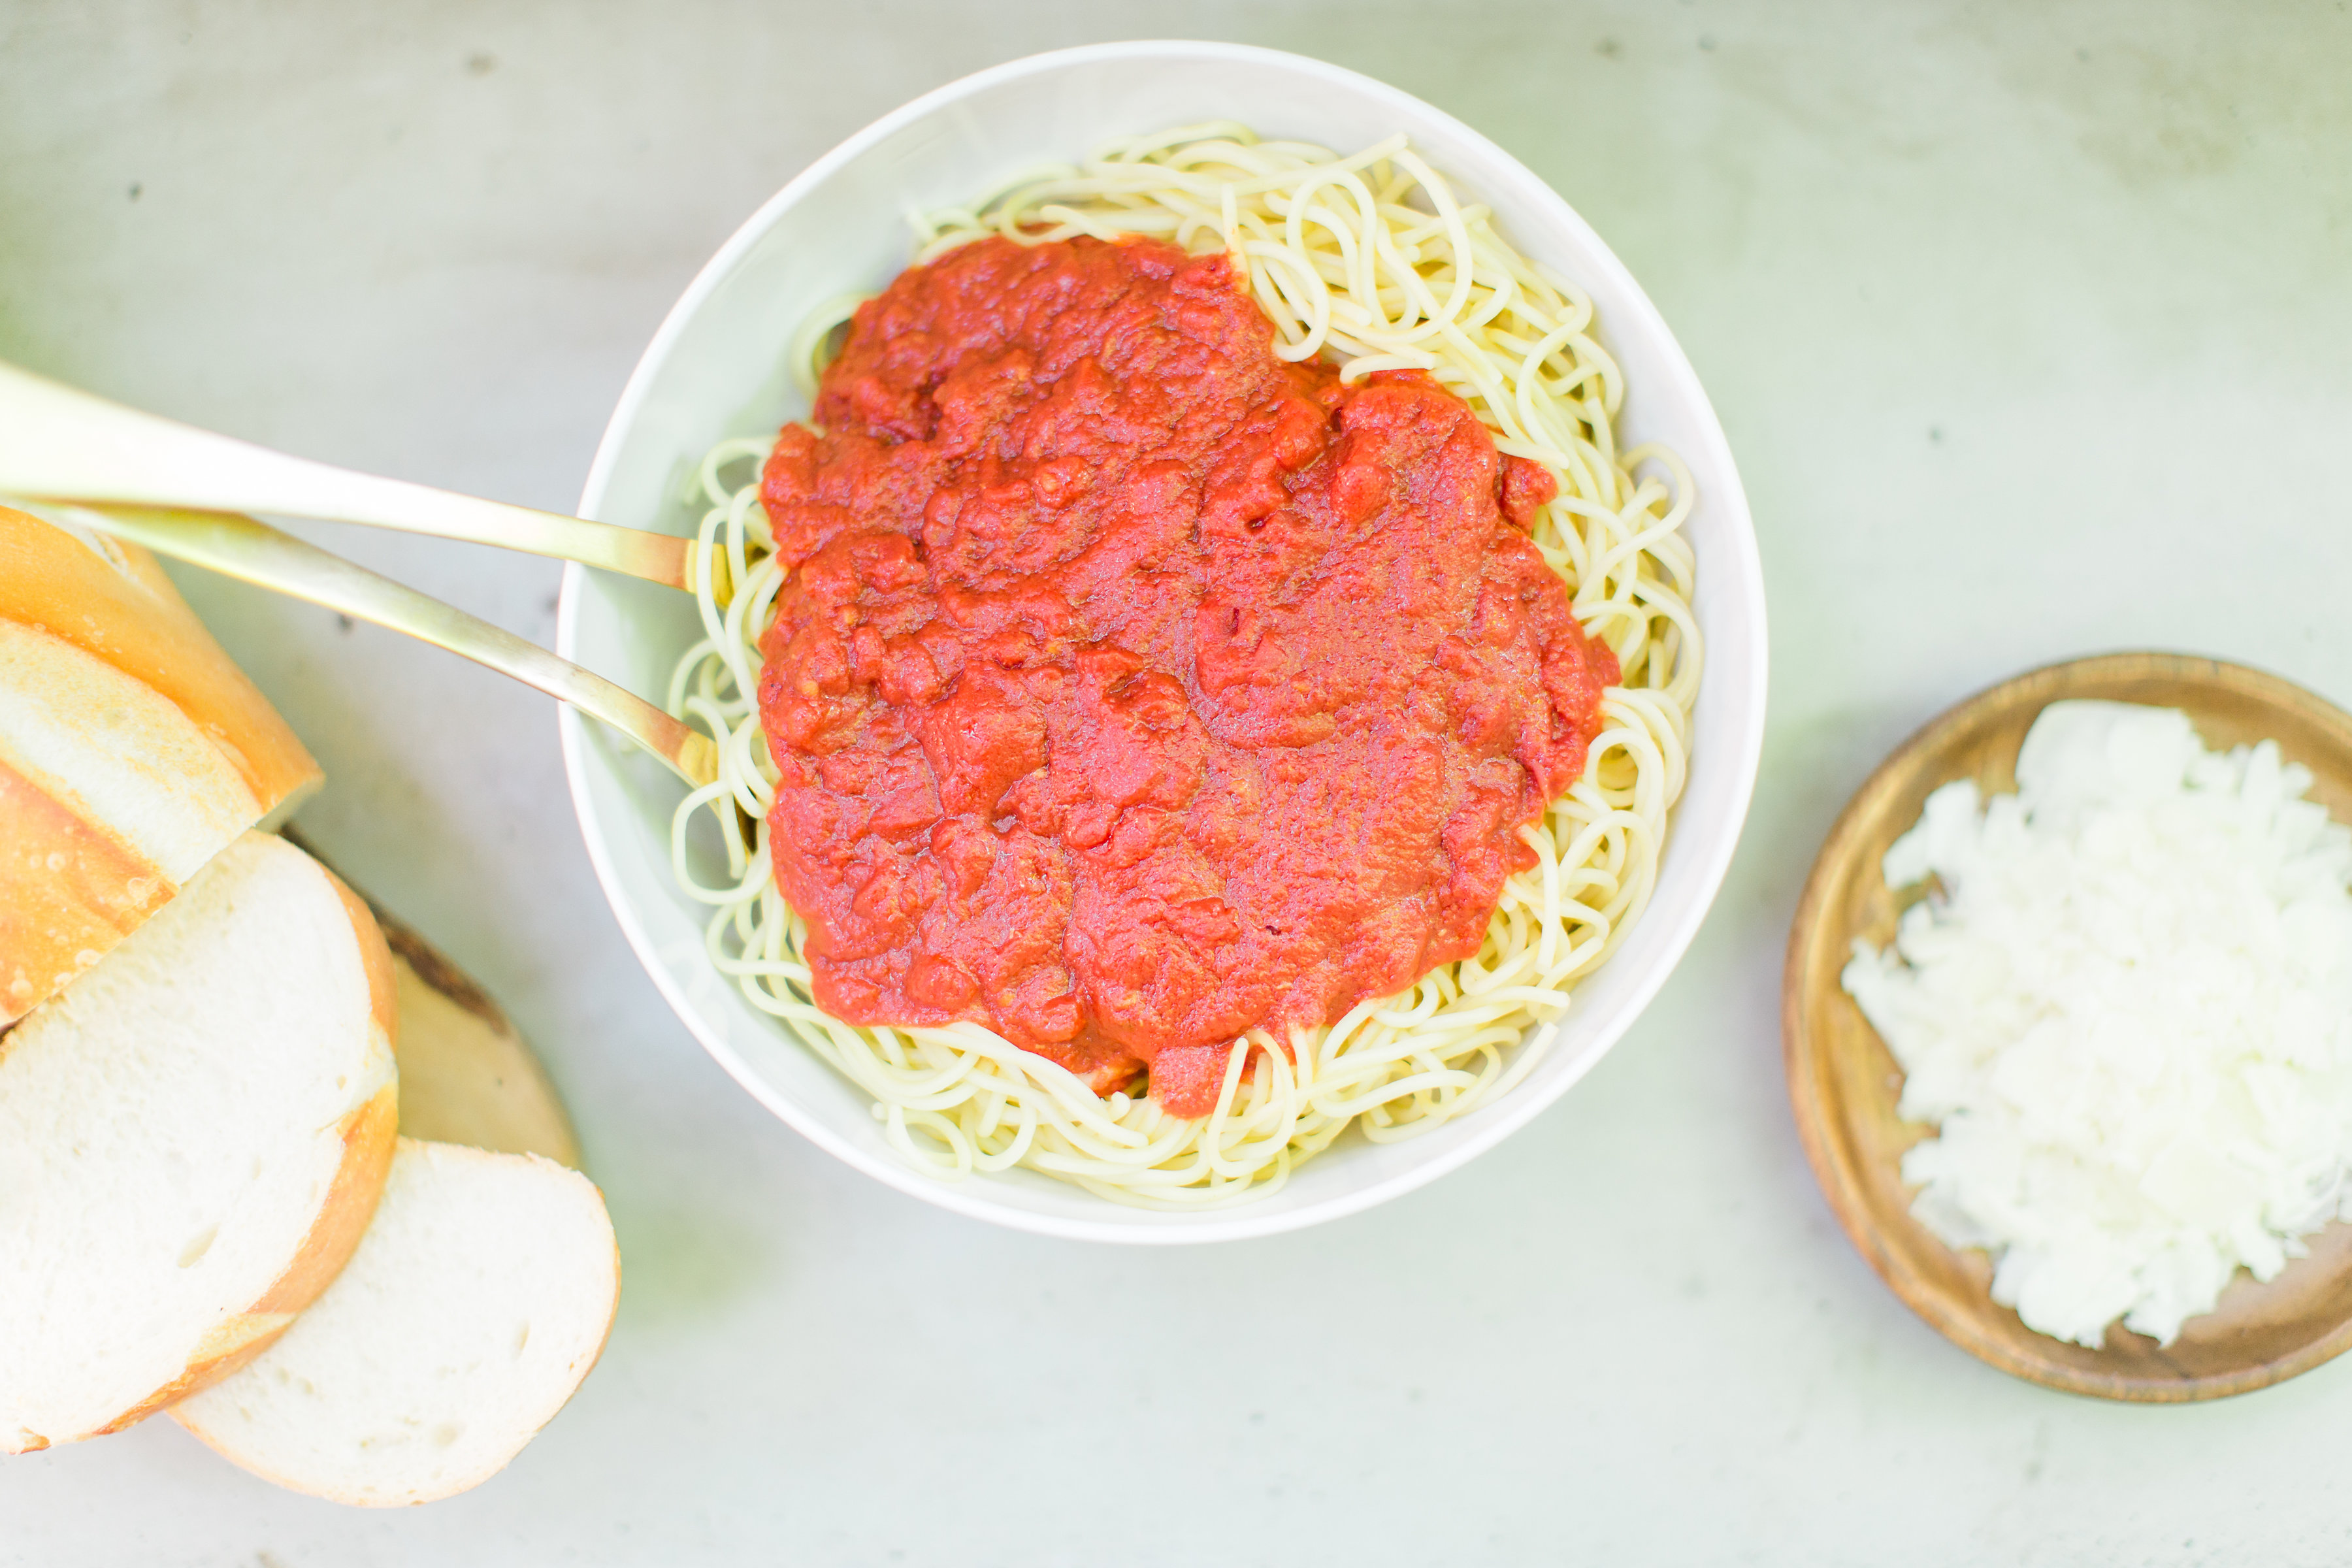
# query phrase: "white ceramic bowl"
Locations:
[[714, 370]]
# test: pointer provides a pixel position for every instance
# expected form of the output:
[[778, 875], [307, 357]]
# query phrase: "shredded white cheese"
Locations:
[[2127, 1010]]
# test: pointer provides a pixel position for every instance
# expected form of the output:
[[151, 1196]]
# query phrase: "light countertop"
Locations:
[[2031, 333]]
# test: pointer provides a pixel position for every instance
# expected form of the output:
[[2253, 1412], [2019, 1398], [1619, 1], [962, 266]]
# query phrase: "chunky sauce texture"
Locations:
[[1133, 689]]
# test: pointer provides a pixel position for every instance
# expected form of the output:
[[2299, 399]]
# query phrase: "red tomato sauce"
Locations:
[[1132, 688]]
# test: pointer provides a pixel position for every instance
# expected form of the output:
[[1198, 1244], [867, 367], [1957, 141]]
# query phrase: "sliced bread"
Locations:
[[193, 1136], [131, 750], [477, 1303]]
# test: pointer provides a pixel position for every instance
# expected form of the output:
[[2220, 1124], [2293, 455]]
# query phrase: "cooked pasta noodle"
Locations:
[[1370, 262]]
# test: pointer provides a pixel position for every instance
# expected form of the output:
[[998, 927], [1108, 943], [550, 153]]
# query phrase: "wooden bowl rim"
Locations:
[[1835, 1163]]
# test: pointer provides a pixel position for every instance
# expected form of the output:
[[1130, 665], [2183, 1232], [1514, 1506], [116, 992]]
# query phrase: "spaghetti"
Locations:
[[1369, 262]]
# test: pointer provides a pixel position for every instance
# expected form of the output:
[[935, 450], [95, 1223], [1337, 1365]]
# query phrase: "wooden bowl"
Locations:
[[1843, 1085]]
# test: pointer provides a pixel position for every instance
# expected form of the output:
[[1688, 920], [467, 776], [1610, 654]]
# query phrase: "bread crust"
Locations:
[[375, 955], [68, 892], [72, 884], [112, 601]]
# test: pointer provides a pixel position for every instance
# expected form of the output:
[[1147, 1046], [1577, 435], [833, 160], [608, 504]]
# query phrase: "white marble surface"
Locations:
[[2031, 334]]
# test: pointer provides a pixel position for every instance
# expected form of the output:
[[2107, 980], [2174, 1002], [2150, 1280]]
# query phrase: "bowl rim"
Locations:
[[1741, 565]]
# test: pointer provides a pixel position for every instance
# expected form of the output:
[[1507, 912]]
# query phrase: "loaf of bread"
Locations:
[[201, 1205], [132, 752], [193, 1138]]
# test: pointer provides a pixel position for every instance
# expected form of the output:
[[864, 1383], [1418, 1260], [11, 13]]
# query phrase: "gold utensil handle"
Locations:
[[253, 552], [60, 444]]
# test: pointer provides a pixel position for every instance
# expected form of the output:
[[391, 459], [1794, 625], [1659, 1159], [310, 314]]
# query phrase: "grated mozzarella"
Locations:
[[2128, 1012]]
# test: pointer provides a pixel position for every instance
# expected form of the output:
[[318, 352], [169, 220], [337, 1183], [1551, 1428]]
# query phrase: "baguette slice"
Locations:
[[193, 1136], [476, 1304], [132, 752]]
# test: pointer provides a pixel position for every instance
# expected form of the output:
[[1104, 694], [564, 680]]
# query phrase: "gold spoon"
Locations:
[[62, 445], [252, 552]]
